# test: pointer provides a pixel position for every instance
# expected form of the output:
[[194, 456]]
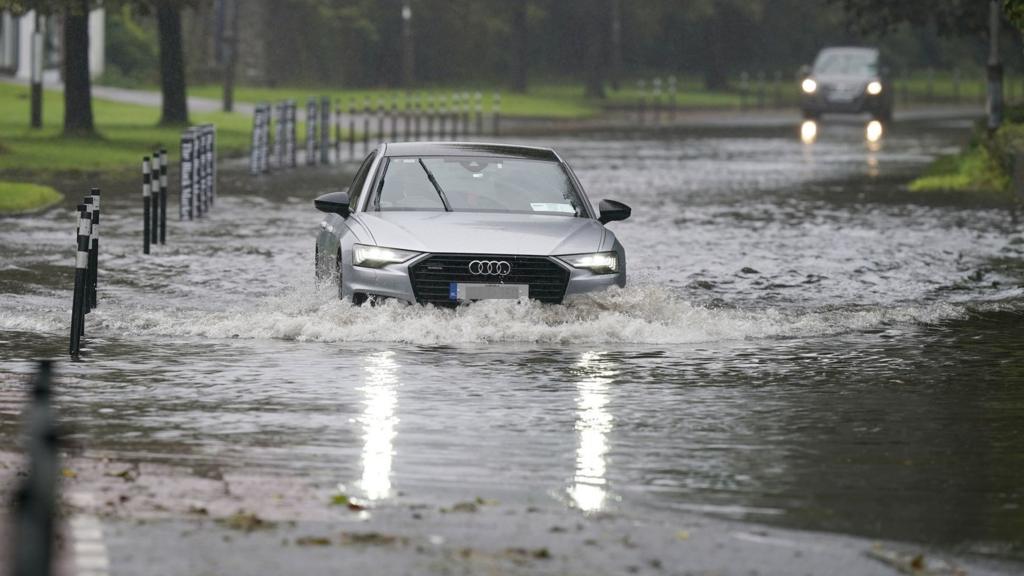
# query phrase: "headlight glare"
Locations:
[[377, 256], [598, 262], [874, 87], [809, 86]]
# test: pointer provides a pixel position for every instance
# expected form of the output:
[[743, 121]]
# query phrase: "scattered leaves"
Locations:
[[245, 521], [370, 538], [312, 541], [69, 473], [683, 535]]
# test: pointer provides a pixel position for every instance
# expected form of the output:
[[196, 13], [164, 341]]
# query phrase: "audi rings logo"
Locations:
[[489, 268]]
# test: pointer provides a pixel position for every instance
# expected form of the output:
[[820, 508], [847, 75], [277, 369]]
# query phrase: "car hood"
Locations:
[[484, 232]]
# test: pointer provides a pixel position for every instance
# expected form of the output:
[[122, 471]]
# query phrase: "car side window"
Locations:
[[356, 189]]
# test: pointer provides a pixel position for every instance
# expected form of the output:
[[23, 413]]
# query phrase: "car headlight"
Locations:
[[874, 87], [599, 262], [378, 257], [809, 86]]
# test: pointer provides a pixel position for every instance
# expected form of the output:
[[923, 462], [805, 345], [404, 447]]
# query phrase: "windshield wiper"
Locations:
[[440, 192]]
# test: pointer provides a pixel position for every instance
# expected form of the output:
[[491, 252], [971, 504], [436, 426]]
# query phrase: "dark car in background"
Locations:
[[847, 80]]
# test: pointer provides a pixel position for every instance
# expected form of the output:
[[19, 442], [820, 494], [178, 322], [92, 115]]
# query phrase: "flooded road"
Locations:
[[801, 344]]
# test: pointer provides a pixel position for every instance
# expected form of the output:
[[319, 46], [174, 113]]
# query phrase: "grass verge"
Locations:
[[126, 134], [984, 169], [19, 197]]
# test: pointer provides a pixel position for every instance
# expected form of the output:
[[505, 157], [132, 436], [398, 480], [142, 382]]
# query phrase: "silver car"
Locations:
[[447, 223]]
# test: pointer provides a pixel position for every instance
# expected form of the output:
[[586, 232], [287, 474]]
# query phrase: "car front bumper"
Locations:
[[395, 281]]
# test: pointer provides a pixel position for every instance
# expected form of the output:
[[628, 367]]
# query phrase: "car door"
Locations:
[[334, 227]]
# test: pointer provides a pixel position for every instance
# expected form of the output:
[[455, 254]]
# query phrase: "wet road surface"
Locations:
[[802, 346]]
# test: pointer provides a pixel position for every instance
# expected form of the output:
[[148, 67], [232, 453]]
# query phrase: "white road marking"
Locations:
[[87, 540]]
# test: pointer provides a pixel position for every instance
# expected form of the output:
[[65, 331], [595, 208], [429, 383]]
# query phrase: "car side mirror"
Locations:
[[612, 211], [333, 203]]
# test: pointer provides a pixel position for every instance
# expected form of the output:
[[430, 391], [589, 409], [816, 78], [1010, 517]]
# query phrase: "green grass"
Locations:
[[981, 170], [543, 100], [17, 197], [126, 134]]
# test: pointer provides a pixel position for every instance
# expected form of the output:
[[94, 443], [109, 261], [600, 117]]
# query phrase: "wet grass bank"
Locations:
[[22, 197]]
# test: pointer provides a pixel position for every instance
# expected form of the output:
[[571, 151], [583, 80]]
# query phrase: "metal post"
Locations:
[[254, 144], [35, 499], [81, 270], [94, 253], [154, 226], [325, 130], [366, 125], [430, 117], [311, 115], [656, 101], [496, 104], [442, 110], [380, 119], [406, 117], [293, 136], [466, 107], [87, 289], [145, 204], [186, 200], [455, 115], [641, 111], [337, 131], [352, 128], [478, 105], [417, 114], [277, 151], [394, 117]]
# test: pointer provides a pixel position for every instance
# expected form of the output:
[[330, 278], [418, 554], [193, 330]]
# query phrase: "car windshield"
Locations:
[[846, 63], [477, 184]]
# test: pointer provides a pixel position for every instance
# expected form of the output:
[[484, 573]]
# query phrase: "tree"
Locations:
[[520, 45], [78, 119], [172, 63], [595, 36]]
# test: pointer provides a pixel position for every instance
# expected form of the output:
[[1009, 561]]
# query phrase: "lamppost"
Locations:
[[408, 55]]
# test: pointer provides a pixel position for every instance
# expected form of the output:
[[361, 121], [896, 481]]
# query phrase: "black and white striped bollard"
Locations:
[[81, 272], [163, 196], [146, 194], [154, 226], [94, 253], [87, 300]]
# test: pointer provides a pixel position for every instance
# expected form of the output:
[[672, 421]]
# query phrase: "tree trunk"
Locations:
[[616, 44], [77, 84], [994, 69], [715, 77], [520, 46], [172, 64], [595, 36], [230, 55]]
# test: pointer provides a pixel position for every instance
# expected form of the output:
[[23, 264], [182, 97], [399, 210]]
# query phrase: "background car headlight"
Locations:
[[378, 257], [874, 87], [809, 86], [599, 262]]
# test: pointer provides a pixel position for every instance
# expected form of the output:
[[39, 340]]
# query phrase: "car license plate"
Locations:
[[465, 291]]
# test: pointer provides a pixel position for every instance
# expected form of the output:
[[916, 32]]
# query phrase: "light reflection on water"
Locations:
[[593, 425], [379, 423]]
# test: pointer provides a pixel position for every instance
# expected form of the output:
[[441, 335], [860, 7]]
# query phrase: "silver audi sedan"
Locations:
[[447, 223]]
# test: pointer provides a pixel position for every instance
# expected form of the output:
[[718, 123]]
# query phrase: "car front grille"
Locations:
[[432, 277]]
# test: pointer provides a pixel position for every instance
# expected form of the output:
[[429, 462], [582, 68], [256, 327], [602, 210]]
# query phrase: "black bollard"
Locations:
[[380, 119], [145, 204], [94, 253], [87, 300], [352, 128], [430, 117], [366, 125], [455, 116], [479, 109], [35, 498], [442, 116], [466, 109], [337, 132], [641, 108], [496, 104], [81, 271], [311, 116], [417, 114], [325, 130], [154, 225], [394, 117], [163, 196], [293, 139], [406, 117]]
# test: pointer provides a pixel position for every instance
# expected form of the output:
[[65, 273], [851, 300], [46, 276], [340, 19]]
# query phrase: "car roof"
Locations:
[[469, 149]]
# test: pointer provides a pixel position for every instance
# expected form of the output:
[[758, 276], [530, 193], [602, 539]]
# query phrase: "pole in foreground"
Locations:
[[154, 225], [145, 204], [87, 300], [35, 498], [81, 269]]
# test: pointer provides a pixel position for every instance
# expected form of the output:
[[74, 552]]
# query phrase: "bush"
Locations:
[[131, 47]]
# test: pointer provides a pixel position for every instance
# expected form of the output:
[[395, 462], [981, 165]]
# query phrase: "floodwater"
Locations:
[[801, 344]]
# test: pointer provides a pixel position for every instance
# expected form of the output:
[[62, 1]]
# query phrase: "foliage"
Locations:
[[951, 17], [131, 49], [16, 197], [984, 167]]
